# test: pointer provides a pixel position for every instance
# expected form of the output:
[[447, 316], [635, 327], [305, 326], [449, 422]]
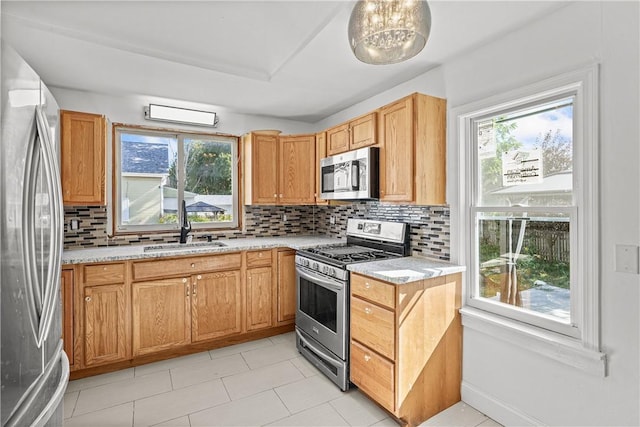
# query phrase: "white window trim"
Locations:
[[582, 351], [118, 227]]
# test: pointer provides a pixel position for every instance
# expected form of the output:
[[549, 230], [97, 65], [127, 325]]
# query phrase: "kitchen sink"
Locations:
[[168, 247]]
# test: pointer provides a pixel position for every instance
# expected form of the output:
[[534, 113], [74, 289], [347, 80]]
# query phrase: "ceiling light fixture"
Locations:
[[389, 31], [163, 113]]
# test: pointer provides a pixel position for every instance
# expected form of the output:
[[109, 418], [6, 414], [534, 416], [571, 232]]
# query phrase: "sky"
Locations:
[[533, 127]]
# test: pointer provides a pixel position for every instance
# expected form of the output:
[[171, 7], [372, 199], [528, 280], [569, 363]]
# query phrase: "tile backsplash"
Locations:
[[430, 225]]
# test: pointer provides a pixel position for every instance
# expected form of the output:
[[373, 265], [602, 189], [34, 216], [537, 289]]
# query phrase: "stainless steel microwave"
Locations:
[[350, 176]]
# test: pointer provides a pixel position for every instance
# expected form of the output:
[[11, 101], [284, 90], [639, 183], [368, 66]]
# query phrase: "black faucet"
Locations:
[[186, 225]]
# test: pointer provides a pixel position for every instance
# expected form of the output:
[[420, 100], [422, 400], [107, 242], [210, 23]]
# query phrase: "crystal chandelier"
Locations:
[[388, 31]]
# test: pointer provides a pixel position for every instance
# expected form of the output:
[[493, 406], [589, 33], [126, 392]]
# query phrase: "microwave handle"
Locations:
[[355, 175]]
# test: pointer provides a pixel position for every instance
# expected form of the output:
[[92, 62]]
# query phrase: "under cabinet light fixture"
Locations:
[[164, 113]]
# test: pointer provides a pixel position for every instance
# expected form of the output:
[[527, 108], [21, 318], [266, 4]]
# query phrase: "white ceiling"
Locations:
[[288, 59]]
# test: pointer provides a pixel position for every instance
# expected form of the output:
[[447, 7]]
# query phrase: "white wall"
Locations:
[[129, 110], [511, 384]]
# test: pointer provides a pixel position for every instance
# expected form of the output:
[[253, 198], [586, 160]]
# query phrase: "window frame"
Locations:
[[579, 346], [120, 229]]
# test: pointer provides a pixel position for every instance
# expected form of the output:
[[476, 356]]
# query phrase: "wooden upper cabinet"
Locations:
[[412, 139], [321, 153], [83, 145], [279, 169], [297, 160], [357, 133], [260, 166], [338, 139]]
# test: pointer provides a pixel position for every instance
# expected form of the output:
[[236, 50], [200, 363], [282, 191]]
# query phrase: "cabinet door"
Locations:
[[83, 140], [262, 157], [286, 286], [161, 315], [338, 139], [259, 302], [397, 152], [105, 324], [363, 132], [296, 165], [321, 153], [68, 315], [216, 305]]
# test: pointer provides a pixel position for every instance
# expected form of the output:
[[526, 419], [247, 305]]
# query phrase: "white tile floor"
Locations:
[[258, 383]]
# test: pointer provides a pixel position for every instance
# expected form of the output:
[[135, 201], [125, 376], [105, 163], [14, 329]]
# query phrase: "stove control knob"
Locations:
[[305, 262], [315, 266], [332, 272]]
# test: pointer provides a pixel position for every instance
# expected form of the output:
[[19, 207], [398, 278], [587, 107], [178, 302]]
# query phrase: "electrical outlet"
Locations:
[[284, 217], [74, 224], [332, 219]]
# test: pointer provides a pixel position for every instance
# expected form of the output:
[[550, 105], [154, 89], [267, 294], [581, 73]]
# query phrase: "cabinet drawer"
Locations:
[[373, 326], [373, 290], [103, 274], [185, 266], [258, 258], [373, 374]]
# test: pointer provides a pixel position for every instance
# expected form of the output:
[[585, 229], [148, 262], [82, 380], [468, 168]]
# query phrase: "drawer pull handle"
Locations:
[[193, 265], [367, 357], [367, 310], [104, 268], [367, 285]]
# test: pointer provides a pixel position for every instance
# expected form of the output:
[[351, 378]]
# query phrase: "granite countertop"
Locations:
[[119, 253], [405, 270]]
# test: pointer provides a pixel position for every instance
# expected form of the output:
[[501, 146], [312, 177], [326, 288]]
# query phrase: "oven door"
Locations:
[[321, 309]]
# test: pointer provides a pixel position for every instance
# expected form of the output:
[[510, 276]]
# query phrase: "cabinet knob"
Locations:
[[193, 265], [280, 195], [275, 195], [184, 280], [367, 357], [367, 285], [367, 310], [87, 299], [104, 268], [199, 277]]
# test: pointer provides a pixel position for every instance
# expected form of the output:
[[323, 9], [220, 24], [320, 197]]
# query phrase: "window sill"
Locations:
[[552, 345]]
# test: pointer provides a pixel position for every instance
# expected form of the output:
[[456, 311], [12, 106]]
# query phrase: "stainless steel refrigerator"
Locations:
[[34, 370]]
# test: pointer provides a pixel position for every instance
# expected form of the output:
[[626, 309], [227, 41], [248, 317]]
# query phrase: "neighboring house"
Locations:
[[145, 167], [554, 188]]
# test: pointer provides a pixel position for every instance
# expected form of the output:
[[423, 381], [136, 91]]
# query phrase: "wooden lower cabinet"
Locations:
[[286, 286], [67, 293], [411, 363], [216, 305], [106, 324], [118, 314], [259, 298], [161, 315]]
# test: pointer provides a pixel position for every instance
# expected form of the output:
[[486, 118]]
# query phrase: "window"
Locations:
[[530, 208], [157, 171]]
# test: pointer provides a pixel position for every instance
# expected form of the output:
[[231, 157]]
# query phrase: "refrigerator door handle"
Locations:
[[52, 177]]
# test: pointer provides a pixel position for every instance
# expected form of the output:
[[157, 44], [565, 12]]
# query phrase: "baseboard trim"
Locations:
[[496, 409]]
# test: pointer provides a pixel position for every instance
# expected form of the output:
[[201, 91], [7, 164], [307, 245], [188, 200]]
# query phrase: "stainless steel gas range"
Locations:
[[322, 312]]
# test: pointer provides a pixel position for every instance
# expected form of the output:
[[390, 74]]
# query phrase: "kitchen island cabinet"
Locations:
[[406, 346]]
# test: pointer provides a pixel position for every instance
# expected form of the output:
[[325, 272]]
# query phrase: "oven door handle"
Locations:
[[320, 280], [324, 355]]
